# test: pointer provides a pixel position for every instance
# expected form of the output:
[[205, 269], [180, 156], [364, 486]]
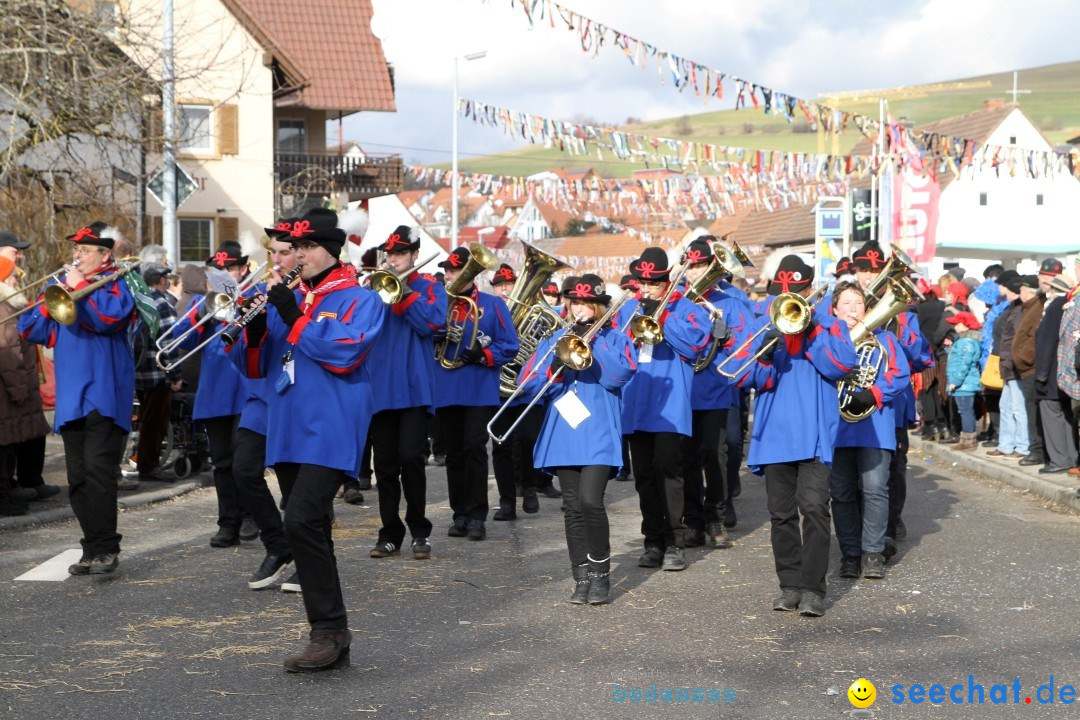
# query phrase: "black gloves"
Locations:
[[648, 307], [256, 327], [284, 300], [556, 364], [861, 401], [474, 354], [767, 342], [720, 330]]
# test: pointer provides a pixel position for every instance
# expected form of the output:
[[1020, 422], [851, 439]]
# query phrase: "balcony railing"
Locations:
[[372, 176]]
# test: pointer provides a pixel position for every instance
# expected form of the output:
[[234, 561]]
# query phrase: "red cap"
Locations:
[[970, 321]]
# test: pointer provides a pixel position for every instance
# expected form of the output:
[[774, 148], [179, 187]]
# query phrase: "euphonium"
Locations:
[[480, 259], [869, 352], [533, 318], [897, 268], [647, 328]]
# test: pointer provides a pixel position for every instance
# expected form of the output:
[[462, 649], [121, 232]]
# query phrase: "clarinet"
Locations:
[[230, 336]]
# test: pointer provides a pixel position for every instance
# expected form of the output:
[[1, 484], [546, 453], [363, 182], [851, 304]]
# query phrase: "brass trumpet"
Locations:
[[23, 289], [61, 302], [724, 261], [389, 285], [480, 259], [647, 329], [790, 313]]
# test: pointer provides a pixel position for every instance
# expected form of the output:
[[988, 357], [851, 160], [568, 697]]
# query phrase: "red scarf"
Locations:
[[342, 276]]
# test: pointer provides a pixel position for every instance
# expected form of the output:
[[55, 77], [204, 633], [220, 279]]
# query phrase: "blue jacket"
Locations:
[[323, 418], [920, 356], [598, 439], [739, 294], [894, 375], [796, 413], [402, 363], [657, 399], [223, 390], [987, 341], [95, 364], [477, 384], [962, 367], [711, 390]]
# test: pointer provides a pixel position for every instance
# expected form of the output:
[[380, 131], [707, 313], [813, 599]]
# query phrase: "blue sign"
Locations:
[[830, 222]]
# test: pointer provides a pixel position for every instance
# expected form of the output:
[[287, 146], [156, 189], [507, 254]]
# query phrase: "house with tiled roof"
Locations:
[[257, 83], [539, 220]]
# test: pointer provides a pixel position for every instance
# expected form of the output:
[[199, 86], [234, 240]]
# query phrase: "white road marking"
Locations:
[[54, 569]]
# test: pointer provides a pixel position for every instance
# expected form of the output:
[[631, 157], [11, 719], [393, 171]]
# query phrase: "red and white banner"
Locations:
[[915, 214]]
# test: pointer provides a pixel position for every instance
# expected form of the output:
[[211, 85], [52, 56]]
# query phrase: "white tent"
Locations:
[[386, 213]]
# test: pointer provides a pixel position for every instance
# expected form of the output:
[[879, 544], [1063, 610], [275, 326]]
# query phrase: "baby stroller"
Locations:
[[184, 450]]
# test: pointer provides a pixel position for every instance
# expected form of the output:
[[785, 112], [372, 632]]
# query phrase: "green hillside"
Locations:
[[1053, 104]]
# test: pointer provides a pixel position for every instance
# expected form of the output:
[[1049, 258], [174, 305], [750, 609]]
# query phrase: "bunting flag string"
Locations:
[[946, 152]]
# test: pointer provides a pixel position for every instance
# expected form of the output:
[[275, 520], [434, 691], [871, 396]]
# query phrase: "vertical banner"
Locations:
[[915, 214]]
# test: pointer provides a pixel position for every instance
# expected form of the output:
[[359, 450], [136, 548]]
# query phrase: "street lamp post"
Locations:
[[455, 181]]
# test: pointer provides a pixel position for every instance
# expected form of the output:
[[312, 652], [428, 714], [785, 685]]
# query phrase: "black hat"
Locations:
[[1006, 277], [792, 275], [992, 271], [550, 288], [93, 234], [320, 226], [569, 282], [652, 265], [457, 259], [843, 267], [228, 254], [153, 272], [8, 239], [403, 238], [629, 282], [1029, 281], [281, 228], [505, 274], [1060, 284], [1051, 266], [869, 257], [957, 272], [589, 287], [699, 251]]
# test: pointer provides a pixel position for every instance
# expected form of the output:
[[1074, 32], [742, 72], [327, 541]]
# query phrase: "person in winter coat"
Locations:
[[962, 373], [1055, 407], [1023, 355]]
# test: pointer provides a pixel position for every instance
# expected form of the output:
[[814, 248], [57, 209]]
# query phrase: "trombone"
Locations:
[[480, 259], [217, 301], [20, 291], [60, 301], [790, 313], [574, 351], [390, 286], [647, 329], [212, 303]]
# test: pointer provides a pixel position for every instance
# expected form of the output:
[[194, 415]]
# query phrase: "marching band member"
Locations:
[[95, 384], [626, 282], [316, 338], [402, 368], [503, 281], [656, 408], [581, 436], [553, 296], [466, 398], [796, 418], [712, 397], [249, 455], [221, 393], [859, 482]]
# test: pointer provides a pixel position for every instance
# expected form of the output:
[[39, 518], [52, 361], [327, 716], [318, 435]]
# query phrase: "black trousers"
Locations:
[[932, 406], [993, 404], [659, 483], [438, 447], [464, 431], [221, 434], [398, 439], [249, 473], [897, 481], [736, 441], [155, 408], [588, 536], [93, 446], [308, 521], [512, 461], [1031, 404], [625, 456], [795, 488], [705, 469], [30, 462]]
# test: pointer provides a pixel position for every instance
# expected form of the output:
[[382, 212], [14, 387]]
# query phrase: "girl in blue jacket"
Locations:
[[581, 436], [962, 373]]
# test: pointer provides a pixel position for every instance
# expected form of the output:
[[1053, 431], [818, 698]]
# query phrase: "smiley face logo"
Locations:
[[862, 693]]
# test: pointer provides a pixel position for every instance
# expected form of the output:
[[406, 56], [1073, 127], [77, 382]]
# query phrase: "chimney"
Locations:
[[993, 103]]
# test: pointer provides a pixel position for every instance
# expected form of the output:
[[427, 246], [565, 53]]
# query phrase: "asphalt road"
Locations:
[[987, 584]]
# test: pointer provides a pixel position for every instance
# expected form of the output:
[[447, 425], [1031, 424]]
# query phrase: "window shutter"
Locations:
[[228, 131], [155, 131], [228, 228], [157, 235]]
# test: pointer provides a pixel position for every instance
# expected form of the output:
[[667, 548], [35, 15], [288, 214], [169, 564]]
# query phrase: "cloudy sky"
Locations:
[[790, 46]]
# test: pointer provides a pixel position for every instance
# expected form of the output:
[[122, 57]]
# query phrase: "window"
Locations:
[[196, 238], [292, 136], [1012, 139], [193, 129], [1039, 199], [982, 198]]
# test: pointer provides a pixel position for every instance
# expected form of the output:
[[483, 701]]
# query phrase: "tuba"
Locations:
[[533, 318], [724, 262], [480, 259], [897, 268], [869, 353]]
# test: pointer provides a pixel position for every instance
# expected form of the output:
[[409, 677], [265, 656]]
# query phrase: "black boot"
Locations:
[[599, 581], [581, 588], [506, 511]]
